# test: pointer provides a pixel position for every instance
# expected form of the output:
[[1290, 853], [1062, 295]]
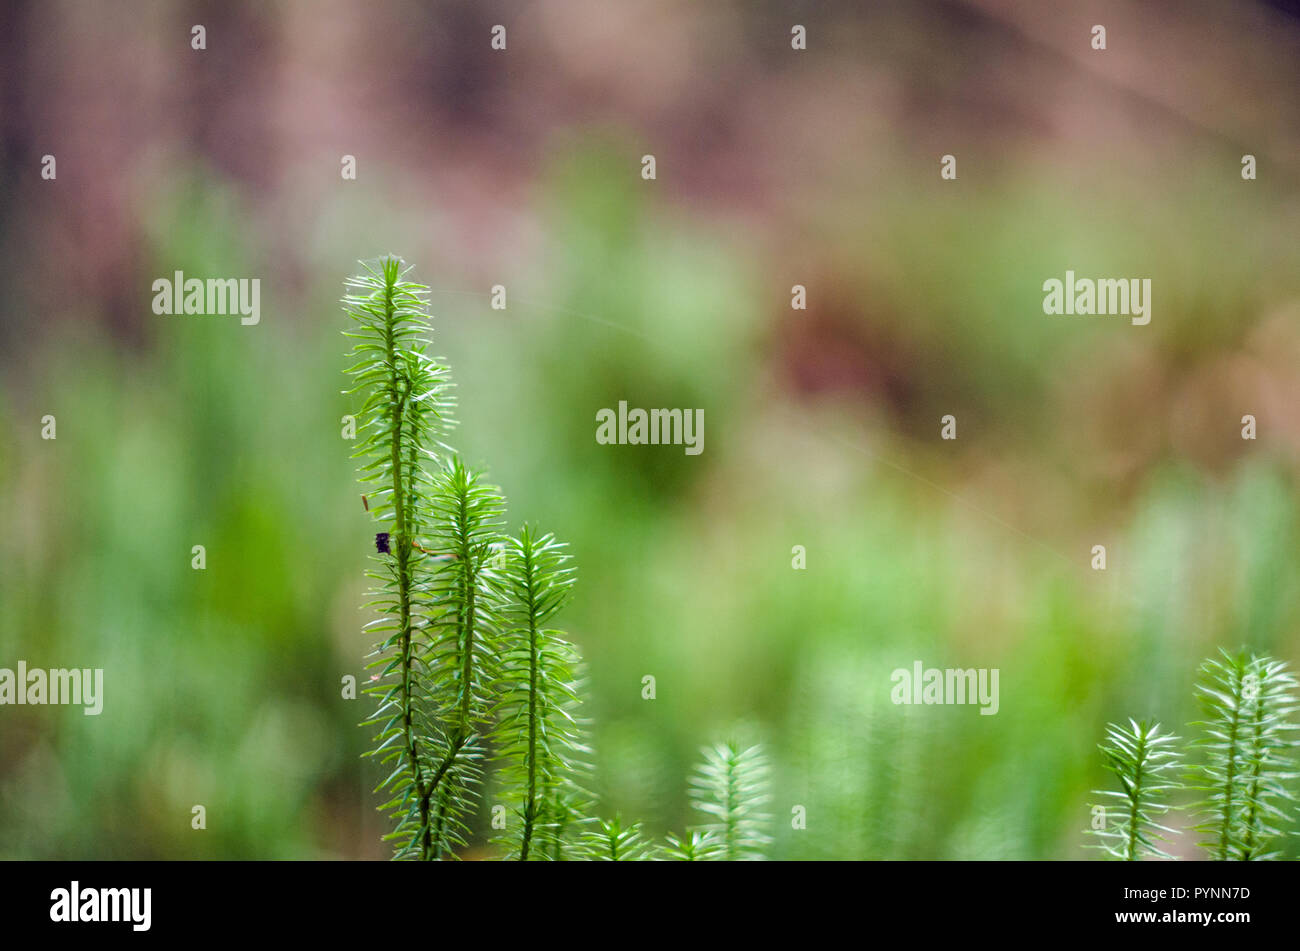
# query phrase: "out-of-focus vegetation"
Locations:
[[222, 686]]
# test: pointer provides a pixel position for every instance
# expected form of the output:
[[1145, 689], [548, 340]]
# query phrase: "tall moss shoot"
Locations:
[[470, 673]]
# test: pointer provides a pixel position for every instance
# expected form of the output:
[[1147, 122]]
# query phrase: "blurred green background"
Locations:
[[775, 168]]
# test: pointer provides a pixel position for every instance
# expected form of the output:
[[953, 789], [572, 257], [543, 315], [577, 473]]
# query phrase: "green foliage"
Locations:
[[1144, 760], [538, 735], [1241, 775], [463, 644], [1268, 803], [611, 841], [1247, 703], [466, 533], [209, 464], [696, 846], [406, 407], [731, 786], [469, 666], [439, 665]]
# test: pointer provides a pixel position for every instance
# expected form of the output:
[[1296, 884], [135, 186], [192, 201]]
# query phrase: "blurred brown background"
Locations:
[[775, 167]]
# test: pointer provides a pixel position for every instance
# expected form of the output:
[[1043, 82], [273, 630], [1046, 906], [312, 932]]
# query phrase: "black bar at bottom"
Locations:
[[379, 901]]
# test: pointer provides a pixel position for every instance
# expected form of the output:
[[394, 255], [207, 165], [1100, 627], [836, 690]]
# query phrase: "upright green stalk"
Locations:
[[447, 580], [406, 404], [1268, 692], [1143, 760], [538, 734], [1222, 692], [1249, 702], [464, 649], [731, 786]]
